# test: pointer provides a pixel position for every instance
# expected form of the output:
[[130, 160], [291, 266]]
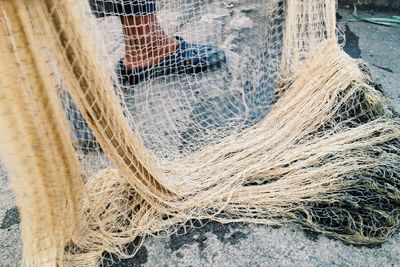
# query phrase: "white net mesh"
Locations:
[[183, 112]]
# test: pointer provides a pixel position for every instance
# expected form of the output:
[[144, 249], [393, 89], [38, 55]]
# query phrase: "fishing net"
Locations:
[[123, 119]]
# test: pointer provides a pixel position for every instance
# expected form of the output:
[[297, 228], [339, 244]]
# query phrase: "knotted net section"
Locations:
[[111, 129]]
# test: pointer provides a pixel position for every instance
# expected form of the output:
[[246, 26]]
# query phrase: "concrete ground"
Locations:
[[252, 245], [385, 4]]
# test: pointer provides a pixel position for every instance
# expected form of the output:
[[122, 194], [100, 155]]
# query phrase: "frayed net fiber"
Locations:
[[291, 130]]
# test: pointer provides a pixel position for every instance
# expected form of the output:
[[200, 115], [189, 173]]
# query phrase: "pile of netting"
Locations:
[[289, 129]]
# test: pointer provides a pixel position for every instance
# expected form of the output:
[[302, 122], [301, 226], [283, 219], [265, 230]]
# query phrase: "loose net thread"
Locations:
[[326, 155]]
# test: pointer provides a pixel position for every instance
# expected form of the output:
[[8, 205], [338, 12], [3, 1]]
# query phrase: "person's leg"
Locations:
[[146, 43], [149, 52]]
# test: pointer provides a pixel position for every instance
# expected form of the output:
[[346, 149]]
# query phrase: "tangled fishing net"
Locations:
[[287, 129]]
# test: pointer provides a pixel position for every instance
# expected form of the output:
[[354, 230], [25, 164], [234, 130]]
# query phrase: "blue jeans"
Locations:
[[103, 8]]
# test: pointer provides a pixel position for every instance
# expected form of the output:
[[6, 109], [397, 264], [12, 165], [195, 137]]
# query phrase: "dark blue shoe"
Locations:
[[188, 59]]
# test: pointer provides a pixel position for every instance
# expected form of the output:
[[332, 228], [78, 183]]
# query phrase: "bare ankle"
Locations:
[[146, 43]]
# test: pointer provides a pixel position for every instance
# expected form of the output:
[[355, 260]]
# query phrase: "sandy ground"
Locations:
[[252, 245]]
